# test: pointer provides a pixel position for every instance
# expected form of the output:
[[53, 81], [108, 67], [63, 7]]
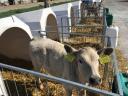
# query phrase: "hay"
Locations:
[[84, 41], [90, 26], [122, 61], [88, 30], [92, 21]]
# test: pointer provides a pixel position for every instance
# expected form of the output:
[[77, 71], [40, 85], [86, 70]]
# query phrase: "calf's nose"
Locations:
[[95, 80]]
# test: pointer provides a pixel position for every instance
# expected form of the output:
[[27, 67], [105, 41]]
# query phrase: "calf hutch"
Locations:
[[64, 10], [41, 21], [15, 36]]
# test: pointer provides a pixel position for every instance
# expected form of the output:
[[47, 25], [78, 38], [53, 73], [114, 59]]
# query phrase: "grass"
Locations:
[[17, 11]]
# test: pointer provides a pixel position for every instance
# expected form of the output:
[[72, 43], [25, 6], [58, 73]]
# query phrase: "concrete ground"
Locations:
[[119, 9]]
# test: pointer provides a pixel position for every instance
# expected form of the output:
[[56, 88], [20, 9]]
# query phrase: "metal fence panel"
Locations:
[[49, 77]]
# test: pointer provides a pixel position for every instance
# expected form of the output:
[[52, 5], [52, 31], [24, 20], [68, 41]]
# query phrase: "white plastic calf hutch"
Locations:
[[61, 11], [14, 38], [40, 22]]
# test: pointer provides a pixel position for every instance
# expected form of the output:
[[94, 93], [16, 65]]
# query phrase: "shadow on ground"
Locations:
[[124, 1]]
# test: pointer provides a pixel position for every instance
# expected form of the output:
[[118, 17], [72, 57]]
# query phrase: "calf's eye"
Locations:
[[80, 61]]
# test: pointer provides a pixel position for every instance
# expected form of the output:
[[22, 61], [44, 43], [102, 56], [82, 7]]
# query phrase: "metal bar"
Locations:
[[88, 35], [80, 17], [84, 34], [68, 23], [62, 29], [7, 86], [115, 67], [115, 64], [59, 80], [81, 34], [104, 21], [15, 84], [36, 86], [25, 88], [64, 26], [104, 24]]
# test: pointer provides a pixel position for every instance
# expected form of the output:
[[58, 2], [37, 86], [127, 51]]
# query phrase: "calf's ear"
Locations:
[[105, 51], [68, 48]]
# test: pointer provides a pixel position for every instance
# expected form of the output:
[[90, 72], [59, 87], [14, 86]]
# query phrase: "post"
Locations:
[[46, 3], [104, 26]]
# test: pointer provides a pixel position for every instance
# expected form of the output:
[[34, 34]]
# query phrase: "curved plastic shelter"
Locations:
[[41, 22], [63, 15], [14, 38], [49, 24], [77, 7], [62, 10]]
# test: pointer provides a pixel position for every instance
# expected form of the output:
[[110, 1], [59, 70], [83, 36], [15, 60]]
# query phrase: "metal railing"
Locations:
[[53, 78], [91, 8], [91, 23]]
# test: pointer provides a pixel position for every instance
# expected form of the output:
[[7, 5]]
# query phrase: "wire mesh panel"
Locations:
[[25, 84], [74, 21], [91, 8], [88, 24], [79, 40], [18, 83], [22, 82]]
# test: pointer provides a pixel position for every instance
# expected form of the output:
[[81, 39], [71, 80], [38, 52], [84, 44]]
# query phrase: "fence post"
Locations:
[[62, 29], [104, 25]]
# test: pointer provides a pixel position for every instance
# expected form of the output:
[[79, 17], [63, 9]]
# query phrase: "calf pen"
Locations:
[[22, 82], [87, 24]]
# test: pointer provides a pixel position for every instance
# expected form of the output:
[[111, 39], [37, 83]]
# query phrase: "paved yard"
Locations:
[[119, 8]]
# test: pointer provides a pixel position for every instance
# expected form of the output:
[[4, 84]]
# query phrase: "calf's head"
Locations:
[[87, 60]]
